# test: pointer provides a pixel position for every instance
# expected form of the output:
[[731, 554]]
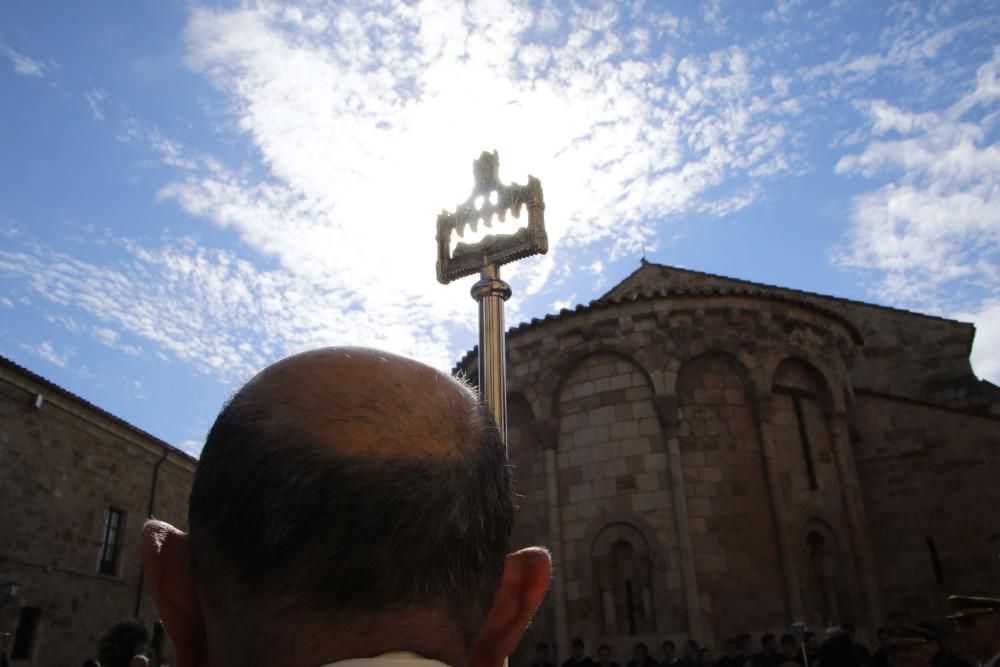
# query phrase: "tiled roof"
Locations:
[[840, 299]]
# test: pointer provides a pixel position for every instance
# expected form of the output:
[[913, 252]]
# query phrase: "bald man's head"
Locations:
[[342, 397], [346, 482]]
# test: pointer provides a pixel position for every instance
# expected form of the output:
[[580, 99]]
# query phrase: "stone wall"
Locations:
[[929, 476], [62, 466]]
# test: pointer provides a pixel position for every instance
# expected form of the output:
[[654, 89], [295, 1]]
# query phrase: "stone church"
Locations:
[[707, 456]]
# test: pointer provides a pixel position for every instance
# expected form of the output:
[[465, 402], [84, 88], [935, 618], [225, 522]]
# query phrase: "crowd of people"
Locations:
[[899, 646]]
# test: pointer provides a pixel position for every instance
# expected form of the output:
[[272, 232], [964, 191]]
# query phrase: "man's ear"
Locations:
[[526, 576], [166, 559]]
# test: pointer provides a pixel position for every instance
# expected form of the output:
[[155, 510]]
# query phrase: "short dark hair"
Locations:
[[788, 640], [808, 634], [542, 645], [766, 638], [275, 514], [642, 646], [576, 642], [731, 641], [604, 647], [667, 643], [692, 643]]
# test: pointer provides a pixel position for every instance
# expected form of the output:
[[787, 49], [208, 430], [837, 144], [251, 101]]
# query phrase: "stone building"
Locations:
[[706, 456], [76, 483]]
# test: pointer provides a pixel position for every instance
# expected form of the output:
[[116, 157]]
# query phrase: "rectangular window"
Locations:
[[24, 638], [806, 445], [797, 397], [112, 537]]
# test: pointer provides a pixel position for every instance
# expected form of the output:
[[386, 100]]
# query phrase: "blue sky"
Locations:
[[189, 191]]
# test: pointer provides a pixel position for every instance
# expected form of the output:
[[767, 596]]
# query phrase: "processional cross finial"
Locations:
[[490, 198]]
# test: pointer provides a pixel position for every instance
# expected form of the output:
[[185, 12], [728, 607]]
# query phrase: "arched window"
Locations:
[[624, 579], [823, 573]]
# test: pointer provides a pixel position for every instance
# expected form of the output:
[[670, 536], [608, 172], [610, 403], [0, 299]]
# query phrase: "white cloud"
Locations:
[[96, 99], [782, 11], [23, 64], [46, 350], [931, 232], [366, 124], [112, 339]]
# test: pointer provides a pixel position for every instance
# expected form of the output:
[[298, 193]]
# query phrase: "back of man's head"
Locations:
[[350, 492]]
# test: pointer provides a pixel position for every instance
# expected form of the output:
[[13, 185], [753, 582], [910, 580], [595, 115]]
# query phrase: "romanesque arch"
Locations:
[[622, 566], [825, 596], [732, 530], [610, 460]]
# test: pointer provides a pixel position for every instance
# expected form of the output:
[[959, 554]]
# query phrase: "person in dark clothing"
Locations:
[[691, 651], [733, 657], [791, 651], [669, 654], [864, 655], [640, 657], [768, 655], [939, 656], [604, 657], [881, 656], [746, 647], [542, 656], [577, 657]]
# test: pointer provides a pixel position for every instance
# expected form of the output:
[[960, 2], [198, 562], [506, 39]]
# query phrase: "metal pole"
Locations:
[[491, 292]]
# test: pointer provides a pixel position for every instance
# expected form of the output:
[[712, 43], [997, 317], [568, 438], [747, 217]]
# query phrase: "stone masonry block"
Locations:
[[649, 426], [623, 430], [581, 456], [635, 446], [647, 481], [655, 461], [605, 451], [581, 493]]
